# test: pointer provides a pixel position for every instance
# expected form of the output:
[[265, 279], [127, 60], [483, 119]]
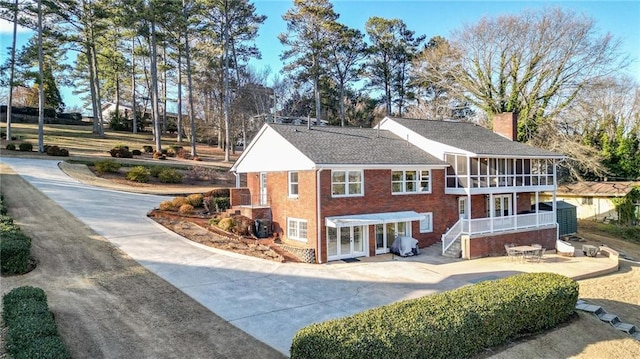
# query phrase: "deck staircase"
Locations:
[[455, 250], [612, 319]]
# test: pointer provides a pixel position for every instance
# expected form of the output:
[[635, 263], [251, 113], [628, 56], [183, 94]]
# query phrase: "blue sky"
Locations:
[[430, 18]]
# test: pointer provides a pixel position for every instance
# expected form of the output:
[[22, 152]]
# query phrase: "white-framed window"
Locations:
[[426, 225], [293, 184], [297, 229], [410, 181], [346, 183]]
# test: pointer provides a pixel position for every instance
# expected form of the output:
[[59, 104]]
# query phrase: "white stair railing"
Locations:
[[451, 235]]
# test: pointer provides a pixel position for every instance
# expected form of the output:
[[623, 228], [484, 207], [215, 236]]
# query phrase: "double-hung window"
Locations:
[[346, 183], [426, 225], [297, 229], [410, 181], [293, 184]]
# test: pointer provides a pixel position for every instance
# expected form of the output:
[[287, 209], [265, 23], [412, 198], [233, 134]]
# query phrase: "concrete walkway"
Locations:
[[268, 300]]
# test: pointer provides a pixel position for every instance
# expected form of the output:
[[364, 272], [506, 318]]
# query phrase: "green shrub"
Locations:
[[195, 199], [155, 170], [11, 147], [14, 255], [51, 347], [170, 175], [121, 151], [220, 204], [57, 151], [107, 166], [25, 147], [6, 220], [20, 294], [453, 324], [28, 306], [32, 331], [138, 174], [179, 201], [214, 221], [136, 152], [147, 149], [226, 224]]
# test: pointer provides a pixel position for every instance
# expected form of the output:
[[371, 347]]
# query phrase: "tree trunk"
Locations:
[[164, 87], [179, 119], [227, 143], [40, 83], [154, 87], [133, 86], [96, 84], [12, 70], [192, 120], [342, 99]]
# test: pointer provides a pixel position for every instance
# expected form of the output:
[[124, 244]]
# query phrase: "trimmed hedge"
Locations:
[[15, 246], [14, 255], [32, 331], [453, 324]]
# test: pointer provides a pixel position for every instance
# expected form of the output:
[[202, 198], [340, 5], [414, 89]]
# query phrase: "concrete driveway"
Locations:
[[270, 301]]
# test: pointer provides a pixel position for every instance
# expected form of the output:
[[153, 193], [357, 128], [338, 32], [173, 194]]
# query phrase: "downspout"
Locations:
[[237, 178], [319, 223]]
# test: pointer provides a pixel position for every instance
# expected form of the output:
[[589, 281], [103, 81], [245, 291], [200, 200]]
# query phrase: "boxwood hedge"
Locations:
[[15, 247], [453, 324], [32, 331]]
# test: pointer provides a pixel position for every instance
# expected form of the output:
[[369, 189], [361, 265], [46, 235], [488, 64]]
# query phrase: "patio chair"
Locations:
[[540, 254], [514, 255]]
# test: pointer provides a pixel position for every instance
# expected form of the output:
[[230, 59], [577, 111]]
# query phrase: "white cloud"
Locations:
[[6, 27]]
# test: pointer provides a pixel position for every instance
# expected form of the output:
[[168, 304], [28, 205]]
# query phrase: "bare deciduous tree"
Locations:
[[534, 63]]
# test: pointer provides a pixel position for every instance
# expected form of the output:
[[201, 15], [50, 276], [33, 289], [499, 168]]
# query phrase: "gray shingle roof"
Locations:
[[353, 146], [473, 138]]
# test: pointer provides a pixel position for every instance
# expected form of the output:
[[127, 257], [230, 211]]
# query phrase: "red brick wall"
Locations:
[[494, 245], [301, 207], [378, 198], [523, 202], [506, 124]]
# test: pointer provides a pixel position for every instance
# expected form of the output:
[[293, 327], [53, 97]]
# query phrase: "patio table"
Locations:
[[527, 251]]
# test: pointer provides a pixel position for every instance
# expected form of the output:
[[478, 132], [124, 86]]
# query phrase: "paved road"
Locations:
[[270, 301]]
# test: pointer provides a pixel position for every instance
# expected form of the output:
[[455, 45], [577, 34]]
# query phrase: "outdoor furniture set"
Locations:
[[534, 252]]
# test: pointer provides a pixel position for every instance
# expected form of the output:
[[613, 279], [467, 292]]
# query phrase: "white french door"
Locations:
[[387, 233], [346, 242]]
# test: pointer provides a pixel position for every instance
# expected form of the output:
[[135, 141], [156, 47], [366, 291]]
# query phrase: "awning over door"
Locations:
[[373, 218]]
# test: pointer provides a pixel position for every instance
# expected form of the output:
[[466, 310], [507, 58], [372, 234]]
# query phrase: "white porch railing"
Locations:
[[496, 224]]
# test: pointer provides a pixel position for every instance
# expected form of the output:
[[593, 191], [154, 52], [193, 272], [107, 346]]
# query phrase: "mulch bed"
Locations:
[[196, 228]]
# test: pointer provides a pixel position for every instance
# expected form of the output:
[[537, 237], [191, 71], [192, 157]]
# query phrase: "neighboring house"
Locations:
[[594, 200], [108, 108], [344, 192]]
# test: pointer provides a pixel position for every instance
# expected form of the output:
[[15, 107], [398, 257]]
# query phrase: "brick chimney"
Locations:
[[506, 125]]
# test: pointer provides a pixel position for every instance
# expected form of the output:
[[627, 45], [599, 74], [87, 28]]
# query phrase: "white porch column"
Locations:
[[492, 211], [537, 209]]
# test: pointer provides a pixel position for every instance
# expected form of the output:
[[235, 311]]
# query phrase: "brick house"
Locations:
[[344, 192]]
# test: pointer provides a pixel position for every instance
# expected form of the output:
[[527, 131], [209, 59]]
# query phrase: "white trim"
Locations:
[[417, 181], [347, 184], [429, 220], [297, 236], [372, 218], [290, 183]]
